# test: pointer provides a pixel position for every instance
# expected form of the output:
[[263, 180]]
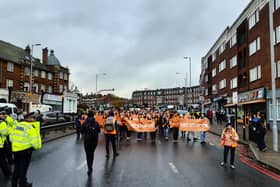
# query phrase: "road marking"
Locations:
[[82, 165], [173, 167], [121, 175]]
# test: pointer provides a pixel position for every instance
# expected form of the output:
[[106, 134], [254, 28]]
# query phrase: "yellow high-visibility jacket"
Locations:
[[3, 133], [26, 135]]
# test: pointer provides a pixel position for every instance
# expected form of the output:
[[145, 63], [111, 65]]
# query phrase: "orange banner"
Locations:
[[141, 126], [194, 125]]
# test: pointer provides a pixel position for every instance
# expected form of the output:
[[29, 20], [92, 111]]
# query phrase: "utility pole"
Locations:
[[273, 76]]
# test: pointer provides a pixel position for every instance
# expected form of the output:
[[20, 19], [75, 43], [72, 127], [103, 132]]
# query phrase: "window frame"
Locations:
[[10, 67], [8, 81], [231, 64], [43, 73]]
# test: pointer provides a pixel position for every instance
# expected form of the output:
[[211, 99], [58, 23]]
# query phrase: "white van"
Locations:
[[40, 107], [12, 108]]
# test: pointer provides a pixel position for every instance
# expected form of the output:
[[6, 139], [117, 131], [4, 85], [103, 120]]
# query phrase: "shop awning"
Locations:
[[252, 102], [230, 105], [246, 103]]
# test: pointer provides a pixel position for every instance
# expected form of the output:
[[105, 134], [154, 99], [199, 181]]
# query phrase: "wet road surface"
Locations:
[[62, 163]]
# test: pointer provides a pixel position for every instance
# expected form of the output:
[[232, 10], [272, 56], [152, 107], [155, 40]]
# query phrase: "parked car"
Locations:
[[53, 117]]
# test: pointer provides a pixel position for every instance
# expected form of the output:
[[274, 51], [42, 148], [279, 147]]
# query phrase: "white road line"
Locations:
[[82, 165], [173, 167], [121, 175]]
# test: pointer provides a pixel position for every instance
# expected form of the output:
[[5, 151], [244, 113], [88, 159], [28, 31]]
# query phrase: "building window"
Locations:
[[254, 46], [255, 73], [213, 56], [9, 83], [253, 19], [214, 72], [10, 67], [233, 83], [35, 88], [277, 35], [278, 68], [36, 73], [27, 71], [232, 41], [65, 76], [206, 91], [214, 87], [61, 75], [206, 78], [222, 48], [43, 87], [233, 61], [277, 4], [50, 89], [277, 109], [43, 74], [61, 88], [222, 65], [26, 86], [222, 84], [50, 76]]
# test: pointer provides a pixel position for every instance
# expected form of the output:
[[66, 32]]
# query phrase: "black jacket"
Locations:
[[89, 124]]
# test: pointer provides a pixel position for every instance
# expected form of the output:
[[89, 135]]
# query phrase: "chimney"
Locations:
[[45, 56], [28, 50]]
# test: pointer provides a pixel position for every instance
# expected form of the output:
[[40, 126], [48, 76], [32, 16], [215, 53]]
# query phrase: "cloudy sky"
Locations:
[[138, 43]]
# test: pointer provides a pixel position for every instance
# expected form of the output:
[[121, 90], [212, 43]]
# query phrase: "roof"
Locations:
[[12, 53], [52, 60]]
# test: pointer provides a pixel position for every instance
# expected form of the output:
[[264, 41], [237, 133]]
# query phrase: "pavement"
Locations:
[[140, 164], [269, 158]]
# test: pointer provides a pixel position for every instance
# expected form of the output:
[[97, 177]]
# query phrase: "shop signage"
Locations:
[[251, 95]]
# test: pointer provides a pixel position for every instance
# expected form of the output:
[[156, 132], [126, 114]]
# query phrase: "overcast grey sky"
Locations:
[[138, 43]]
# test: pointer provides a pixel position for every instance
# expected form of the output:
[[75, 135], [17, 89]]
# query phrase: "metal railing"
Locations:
[[56, 126]]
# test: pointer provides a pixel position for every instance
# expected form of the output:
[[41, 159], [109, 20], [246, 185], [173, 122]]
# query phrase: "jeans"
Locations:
[[202, 136], [110, 138], [165, 132], [175, 133], [232, 154]]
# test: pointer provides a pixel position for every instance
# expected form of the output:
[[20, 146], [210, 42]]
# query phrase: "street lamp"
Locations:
[[190, 60], [98, 74], [31, 65]]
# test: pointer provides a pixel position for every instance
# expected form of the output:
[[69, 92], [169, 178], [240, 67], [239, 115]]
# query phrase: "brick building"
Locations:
[[236, 71], [49, 76], [169, 96]]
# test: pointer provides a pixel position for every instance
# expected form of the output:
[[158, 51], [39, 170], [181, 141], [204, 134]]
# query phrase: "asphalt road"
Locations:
[[62, 163]]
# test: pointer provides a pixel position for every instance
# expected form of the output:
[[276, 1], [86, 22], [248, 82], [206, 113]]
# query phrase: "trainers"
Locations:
[[116, 154], [188, 139], [232, 166], [222, 164], [107, 156]]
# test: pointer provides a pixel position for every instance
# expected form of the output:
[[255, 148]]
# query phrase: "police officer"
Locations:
[[25, 138], [3, 136], [110, 134], [8, 147]]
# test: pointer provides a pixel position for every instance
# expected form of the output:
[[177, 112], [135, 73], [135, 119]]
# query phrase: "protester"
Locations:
[[110, 134], [202, 134], [78, 126], [229, 139], [261, 131], [90, 130], [175, 123]]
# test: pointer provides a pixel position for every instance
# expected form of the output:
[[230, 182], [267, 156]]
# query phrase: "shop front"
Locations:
[[54, 100], [23, 100]]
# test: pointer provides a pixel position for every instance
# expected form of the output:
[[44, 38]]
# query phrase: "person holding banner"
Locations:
[[203, 133], [175, 123], [229, 140]]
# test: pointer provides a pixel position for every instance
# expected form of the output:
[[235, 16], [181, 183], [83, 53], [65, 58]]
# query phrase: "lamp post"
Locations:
[[190, 71], [98, 74], [273, 77], [31, 66]]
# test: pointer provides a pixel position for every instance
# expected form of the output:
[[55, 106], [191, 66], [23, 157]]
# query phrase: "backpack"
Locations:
[[109, 125], [92, 130]]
